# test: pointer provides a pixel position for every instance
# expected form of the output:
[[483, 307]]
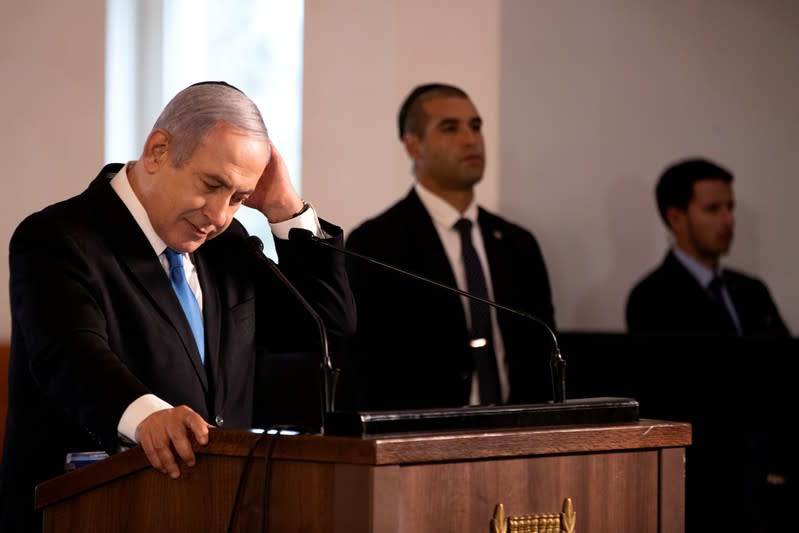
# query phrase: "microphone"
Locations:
[[329, 374], [557, 364]]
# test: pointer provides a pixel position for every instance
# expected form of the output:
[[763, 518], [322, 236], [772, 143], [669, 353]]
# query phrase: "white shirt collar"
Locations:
[[703, 274], [121, 185], [441, 212]]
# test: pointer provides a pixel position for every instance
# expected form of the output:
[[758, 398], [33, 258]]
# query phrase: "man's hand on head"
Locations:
[[275, 195]]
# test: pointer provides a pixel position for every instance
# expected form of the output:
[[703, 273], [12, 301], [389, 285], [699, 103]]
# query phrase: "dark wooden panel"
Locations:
[[393, 450], [672, 489], [149, 501], [611, 491], [613, 474]]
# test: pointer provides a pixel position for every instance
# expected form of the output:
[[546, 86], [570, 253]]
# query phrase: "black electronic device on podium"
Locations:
[[560, 411]]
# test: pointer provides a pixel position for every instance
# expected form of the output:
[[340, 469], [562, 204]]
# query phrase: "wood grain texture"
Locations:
[[620, 478], [394, 450], [672, 489], [611, 491], [537, 441]]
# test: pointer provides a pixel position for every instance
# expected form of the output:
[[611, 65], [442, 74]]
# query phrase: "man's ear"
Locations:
[[676, 218], [156, 150], [413, 145]]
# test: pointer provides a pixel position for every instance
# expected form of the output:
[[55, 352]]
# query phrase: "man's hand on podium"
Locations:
[[165, 432]]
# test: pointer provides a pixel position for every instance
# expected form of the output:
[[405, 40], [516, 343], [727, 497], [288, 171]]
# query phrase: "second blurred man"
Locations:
[[419, 346]]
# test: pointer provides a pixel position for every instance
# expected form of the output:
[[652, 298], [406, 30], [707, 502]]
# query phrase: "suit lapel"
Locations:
[[697, 300], [740, 302], [428, 256], [494, 242], [134, 253], [211, 316]]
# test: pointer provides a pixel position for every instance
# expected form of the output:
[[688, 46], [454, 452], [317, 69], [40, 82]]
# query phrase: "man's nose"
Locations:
[[470, 137], [216, 210]]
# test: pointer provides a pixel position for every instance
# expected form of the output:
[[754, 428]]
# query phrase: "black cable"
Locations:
[[242, 479], [267, 482]]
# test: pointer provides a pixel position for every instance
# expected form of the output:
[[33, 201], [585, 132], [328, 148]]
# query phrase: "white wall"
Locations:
[[51, 110], [361, 59], [597, 100], [585, 102]]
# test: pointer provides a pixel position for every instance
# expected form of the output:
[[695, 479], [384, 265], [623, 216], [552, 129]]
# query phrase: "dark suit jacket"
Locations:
[[96, 324], [670, 300], [411, 346]]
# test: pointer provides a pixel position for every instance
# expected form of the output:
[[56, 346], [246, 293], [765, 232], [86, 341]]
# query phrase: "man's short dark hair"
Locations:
[[675, 187], [412, 117]]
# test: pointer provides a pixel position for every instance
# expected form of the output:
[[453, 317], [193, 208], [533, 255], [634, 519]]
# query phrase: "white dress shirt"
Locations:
[[147, 404], [444, 218]]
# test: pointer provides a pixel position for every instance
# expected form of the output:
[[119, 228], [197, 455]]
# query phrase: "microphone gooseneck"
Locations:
[[557, 363], [329, 374]]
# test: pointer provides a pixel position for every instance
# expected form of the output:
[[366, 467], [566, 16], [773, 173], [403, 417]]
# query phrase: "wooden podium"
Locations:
[[621, 477]]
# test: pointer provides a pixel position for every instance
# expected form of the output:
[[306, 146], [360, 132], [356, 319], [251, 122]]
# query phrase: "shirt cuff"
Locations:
[[140, 409], [306, 220]]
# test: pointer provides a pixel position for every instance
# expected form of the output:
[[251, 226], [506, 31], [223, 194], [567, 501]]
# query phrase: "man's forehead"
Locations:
[[710, 189], [707, 184], [443, 109], [443, 106]]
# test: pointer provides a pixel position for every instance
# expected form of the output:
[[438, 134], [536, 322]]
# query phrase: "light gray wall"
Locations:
[[584, 104], [51, 110], [596, 100], [360, 66]]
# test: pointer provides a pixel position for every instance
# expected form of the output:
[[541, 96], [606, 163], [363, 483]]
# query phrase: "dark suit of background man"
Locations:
[[695, 200], [411, 348], [101, 350], [691, 296]]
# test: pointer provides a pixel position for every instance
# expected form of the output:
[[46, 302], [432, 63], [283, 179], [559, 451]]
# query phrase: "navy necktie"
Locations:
[[715, 289], [482, 340], [177, 275]]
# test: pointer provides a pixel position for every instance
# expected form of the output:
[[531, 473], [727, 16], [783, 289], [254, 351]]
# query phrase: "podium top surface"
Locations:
[[390, 450]]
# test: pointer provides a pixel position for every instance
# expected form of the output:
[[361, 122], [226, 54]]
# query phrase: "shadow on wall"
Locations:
[[632, 240], [747, 229]]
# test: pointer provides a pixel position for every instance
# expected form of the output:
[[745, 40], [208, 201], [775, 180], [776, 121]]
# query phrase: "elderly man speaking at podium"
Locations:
[[139, 309]]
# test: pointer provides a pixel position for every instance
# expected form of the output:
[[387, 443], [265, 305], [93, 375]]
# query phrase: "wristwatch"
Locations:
[[305, 206]]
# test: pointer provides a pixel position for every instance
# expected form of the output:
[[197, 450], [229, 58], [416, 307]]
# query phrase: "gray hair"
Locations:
[[196, 110]]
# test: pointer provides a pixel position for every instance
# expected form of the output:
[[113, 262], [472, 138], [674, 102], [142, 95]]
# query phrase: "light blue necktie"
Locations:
[[177, 275]]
